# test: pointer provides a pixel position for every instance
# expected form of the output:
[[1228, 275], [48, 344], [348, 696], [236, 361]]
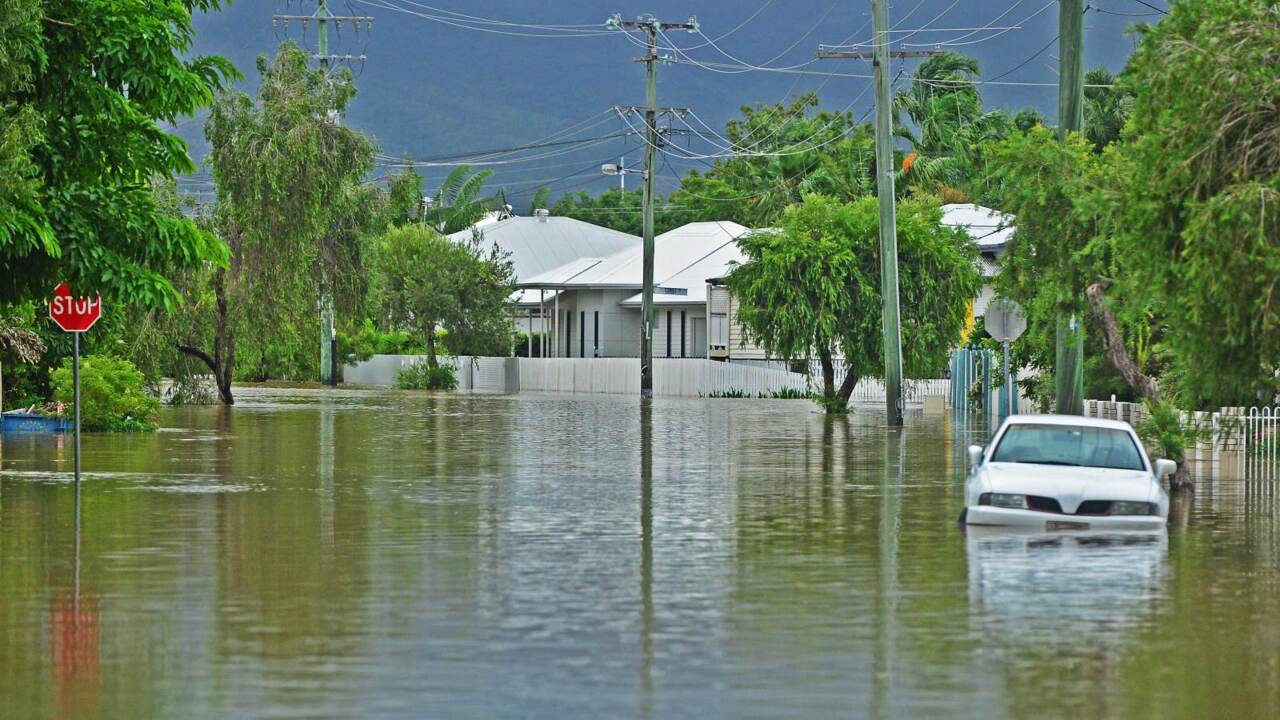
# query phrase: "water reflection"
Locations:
[[408, 554]]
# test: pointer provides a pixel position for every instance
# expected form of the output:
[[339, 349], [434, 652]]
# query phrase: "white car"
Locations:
[[1059, 472]]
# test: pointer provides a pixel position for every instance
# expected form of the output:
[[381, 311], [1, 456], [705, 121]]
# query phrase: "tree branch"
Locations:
[[1113, 343], [199, 354]]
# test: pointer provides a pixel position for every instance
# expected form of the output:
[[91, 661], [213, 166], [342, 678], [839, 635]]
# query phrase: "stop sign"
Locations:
[[74, 314]]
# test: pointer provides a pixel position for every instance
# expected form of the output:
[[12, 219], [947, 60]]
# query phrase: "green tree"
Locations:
[[83, 88], [813, 289], [941, 115], [786, 153], [1195, 196], [284, 170], [112, 395], [1107, 105], [459, 204], [426, 282], [620, 210]]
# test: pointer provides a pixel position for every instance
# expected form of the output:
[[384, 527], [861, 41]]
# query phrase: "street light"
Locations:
[[614, 169]]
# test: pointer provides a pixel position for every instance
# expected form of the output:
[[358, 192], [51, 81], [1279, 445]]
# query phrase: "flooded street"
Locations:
[[378, 554]]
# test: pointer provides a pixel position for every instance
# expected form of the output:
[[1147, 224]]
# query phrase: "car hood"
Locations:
[[1070, 485]]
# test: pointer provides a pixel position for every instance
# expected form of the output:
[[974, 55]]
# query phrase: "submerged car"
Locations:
[[1058, 472]]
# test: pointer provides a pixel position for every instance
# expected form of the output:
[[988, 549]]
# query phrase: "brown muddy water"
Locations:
[[377, 554]]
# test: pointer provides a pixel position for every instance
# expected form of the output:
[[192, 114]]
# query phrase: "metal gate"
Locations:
[[971, 370]]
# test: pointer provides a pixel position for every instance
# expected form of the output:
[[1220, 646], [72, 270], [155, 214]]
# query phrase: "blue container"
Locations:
[[32, 423]]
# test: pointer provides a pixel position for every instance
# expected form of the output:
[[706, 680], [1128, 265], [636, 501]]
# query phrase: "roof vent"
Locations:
[[542, 214]]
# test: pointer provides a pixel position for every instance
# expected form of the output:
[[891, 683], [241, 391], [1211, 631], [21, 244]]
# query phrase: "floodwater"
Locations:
[[376, 554]]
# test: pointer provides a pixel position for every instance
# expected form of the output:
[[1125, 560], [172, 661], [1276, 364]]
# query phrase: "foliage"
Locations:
[[1195, 195], [620, 210], [286, 174], [112, 398], [813, 287], [1105, 108], [795, 153], [948, 125], [425, 281], [425, 376], [520, 344], [368, 341], [83, 88], [459, 205]]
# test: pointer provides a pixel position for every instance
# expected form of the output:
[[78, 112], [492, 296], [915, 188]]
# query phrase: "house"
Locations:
[[989, 229], [540, 243], [592, 304]]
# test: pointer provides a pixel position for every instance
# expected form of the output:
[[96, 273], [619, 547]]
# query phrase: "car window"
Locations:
[[1069, 445]]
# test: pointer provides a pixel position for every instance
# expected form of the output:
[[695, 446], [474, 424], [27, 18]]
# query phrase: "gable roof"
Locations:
[[537, 245]]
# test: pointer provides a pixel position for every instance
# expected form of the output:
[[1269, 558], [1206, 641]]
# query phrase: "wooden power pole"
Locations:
[[1069, 355], [889, 310], [650, 111]]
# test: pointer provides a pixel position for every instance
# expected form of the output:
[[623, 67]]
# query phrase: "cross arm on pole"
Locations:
[[863, 55]]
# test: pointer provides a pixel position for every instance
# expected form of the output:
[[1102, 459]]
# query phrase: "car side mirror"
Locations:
[[975, 456], [1165, 468]]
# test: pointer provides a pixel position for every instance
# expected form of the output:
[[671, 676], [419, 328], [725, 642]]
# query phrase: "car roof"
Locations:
[[1072, 420]]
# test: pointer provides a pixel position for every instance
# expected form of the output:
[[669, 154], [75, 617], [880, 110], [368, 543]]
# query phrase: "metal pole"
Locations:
[[1069, 356], [1008, 382], [888, 219], [75, 398], [328, 359], [650, 155], [622, 173]]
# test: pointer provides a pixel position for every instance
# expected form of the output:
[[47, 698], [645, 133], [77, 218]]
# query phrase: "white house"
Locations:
[[592, 304]]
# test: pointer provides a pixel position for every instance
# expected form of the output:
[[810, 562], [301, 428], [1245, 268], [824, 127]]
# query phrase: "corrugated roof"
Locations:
[[693, 277], [537, 245], [674, 251], [990, 229]]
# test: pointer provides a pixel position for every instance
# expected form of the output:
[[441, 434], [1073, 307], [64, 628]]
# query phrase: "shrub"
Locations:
[[421, 376], [112, 398]]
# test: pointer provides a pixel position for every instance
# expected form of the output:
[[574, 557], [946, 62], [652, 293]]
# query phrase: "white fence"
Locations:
[[1260, 437], [673, 377]]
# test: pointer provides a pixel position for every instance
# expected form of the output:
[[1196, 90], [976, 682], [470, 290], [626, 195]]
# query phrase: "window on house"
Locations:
[[719, 331]]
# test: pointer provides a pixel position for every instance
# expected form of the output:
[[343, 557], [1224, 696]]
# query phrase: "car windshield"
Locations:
[[1069, 445]]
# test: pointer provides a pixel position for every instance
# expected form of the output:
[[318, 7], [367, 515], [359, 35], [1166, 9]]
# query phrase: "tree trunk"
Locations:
[[850, 382], [222, 362], [431, 346], [1113, 343], [1118, 354], [828, 374]]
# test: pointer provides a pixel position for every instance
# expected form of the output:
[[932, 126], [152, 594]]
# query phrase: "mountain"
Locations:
[[430, 88]]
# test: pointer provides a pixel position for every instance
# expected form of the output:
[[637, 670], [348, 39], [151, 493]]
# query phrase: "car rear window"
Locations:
[[1069, 445]]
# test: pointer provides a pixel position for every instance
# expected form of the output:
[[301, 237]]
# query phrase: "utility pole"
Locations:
[[889, 310], [652, 28], [1069, 360], [322, 18]]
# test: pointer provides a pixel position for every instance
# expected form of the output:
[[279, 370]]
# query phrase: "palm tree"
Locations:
[[1106, 109], [459, 204], [947, 123]]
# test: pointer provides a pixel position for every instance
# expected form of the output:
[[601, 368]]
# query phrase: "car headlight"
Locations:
[[1132, 508], [1004, 500]]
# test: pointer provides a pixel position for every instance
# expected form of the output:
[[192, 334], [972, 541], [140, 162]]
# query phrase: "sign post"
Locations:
[[1006, 323], [75, 315]]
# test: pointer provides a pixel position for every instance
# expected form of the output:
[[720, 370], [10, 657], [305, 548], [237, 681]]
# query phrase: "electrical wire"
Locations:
[[544, 31]]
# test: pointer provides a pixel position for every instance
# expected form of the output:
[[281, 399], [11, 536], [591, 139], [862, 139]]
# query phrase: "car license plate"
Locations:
[[1065, 525]]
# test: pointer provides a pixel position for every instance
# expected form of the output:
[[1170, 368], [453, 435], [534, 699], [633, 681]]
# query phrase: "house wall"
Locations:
[[689, 316], [739, 347], [619, 326]]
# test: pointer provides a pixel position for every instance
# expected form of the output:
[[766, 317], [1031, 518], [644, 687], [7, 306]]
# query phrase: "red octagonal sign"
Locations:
[[74, 314]]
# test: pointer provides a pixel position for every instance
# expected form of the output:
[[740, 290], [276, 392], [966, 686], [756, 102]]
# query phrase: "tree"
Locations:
[[945, 124], [813, 288], [83, 86], [16, 339], [1195, 196], [1107, 105], [427, 282], [620, 210], [282, 166], [786, 153], [459, 205]]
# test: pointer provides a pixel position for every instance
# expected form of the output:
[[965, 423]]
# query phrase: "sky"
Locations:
[[445, 80]]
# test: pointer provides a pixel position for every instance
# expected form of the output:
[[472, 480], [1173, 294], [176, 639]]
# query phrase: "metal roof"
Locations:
[[990, 229], [537, 245], [674, 252]]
